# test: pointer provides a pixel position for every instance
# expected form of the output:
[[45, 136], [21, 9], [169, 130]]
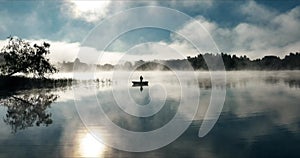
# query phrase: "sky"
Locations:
[[252, 28]]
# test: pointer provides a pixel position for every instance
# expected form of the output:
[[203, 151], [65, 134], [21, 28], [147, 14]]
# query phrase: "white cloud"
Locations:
[[199, 31], [95, 10], [158, 51], [278, 35], [257, 13], [63, 51], [89, 10], [264, 32], [185, 48], [2, 43]]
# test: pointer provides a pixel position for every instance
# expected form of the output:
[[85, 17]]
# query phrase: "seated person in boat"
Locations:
[[141, 78]]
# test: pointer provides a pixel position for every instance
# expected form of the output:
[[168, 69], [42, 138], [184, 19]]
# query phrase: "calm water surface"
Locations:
[[260, 117]]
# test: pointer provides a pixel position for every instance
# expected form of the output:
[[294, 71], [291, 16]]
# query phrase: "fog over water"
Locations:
[[261, 113]]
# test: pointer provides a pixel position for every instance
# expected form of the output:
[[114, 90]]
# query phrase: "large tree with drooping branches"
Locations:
[[20, 56]]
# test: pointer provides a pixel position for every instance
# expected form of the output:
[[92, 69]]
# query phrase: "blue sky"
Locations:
[[253, 28]]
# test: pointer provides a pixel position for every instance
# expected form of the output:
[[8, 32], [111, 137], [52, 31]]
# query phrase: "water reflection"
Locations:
[[260, 118], [292, 83], [242, 81], [141, 87], [272, 80], [89, 146], [28, 109]]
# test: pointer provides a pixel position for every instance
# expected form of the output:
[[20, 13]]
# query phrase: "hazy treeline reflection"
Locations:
[[292, 83], [232, 82]]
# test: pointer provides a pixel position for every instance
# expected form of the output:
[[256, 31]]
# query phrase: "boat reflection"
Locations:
[[141, 87]]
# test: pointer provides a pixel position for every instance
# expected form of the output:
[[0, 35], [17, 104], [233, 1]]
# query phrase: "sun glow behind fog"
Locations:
[[90, 10], [91, 147]]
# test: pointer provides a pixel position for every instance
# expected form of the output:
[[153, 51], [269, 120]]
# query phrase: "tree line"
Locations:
[[231, 62]]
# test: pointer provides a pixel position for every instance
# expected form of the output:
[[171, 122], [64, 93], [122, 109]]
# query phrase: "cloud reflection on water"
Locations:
[[261, 114]]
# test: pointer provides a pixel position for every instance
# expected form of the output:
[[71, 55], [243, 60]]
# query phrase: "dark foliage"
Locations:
[[232, 62], [20, 57], [15, 83]]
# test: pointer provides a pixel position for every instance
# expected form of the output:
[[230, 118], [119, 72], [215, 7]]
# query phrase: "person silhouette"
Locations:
[[141, 78]]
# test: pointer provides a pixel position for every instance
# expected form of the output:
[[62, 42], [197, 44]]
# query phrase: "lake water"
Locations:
[[260, 116]]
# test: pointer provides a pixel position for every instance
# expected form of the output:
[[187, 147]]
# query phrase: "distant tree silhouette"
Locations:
[[270, 63], [232, 62], [291, 61], [20, 56]]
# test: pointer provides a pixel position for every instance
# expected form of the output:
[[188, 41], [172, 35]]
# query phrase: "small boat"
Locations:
[[139, 83]]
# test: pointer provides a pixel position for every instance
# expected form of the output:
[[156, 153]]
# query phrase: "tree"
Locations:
[[20, 56]]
